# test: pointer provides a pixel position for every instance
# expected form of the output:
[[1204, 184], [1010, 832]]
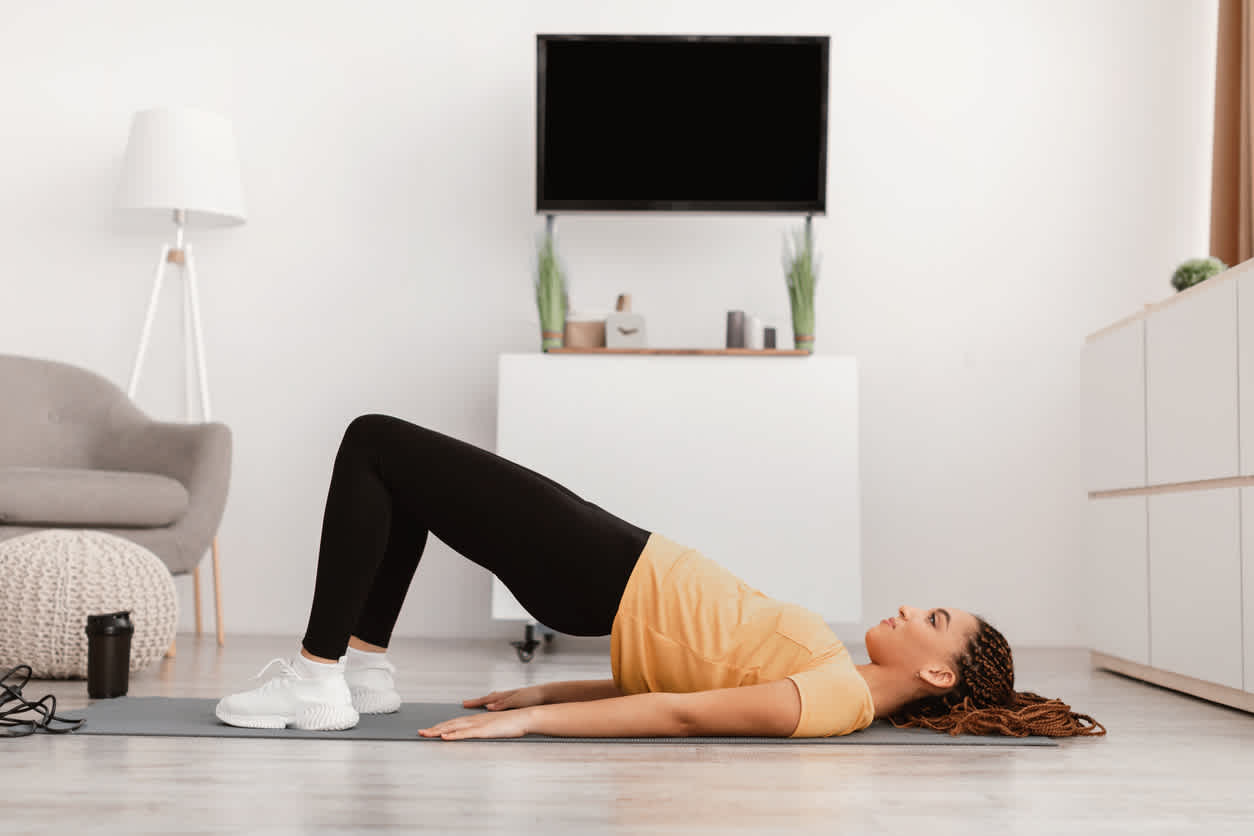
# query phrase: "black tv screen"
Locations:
[[681, 123]]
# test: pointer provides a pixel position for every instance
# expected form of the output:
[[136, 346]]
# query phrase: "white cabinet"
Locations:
[[1191, 387], [753, 461], [1118, 602], [1114, 399], [1195, 585], [1247, 576], [1190, 557]]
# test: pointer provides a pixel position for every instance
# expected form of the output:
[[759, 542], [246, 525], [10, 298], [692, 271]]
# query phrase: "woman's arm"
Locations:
[[771, 709], [576, 691], [768, 710], [580, 690], [636, 715]]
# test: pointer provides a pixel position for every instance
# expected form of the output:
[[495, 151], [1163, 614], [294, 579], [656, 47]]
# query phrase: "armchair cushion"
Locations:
[[62, 496], [55, 415]]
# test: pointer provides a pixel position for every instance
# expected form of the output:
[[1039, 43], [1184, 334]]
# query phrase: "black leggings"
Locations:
[[566, 560]]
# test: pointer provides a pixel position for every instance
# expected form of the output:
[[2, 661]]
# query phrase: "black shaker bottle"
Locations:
[[108, 654]]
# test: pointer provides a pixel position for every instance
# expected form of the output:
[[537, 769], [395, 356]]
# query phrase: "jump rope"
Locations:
[[44, 709]]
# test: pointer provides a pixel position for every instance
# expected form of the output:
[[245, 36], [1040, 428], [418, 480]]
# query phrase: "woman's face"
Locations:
[[923, 642]]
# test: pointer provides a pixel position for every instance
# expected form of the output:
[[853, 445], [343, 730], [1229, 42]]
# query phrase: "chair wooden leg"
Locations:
[[217, 593], [170, 652], [196, 595]]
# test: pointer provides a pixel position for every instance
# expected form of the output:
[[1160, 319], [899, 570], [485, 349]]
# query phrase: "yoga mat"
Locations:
[[168, 717]]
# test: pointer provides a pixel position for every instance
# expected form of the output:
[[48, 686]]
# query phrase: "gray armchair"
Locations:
[[75, 452]]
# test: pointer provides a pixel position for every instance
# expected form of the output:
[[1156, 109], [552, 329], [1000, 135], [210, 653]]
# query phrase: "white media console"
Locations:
[[1169, 393], [752, 460]]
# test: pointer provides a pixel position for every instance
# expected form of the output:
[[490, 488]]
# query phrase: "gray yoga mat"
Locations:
[[168, 717]]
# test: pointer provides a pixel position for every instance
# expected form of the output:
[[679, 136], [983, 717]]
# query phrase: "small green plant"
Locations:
[[1196, 270], [551, 295], [801, 273]]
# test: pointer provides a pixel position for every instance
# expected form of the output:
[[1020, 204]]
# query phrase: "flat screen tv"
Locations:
[[660, 123]]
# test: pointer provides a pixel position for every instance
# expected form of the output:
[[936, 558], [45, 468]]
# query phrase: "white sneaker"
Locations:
[[291, 699], [372, 688]]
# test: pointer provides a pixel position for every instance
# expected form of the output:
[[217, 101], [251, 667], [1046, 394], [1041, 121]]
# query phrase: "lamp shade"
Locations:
[[180, 158]]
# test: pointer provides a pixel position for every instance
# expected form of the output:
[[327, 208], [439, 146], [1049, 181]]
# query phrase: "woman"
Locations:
[[694, 650]]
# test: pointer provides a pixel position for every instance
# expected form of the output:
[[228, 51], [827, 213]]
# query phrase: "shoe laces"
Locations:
[[286, 671]]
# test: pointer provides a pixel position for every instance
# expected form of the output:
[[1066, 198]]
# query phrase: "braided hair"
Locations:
[[984, 700]]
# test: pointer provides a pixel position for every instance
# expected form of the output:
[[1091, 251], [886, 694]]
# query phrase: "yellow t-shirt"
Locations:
[[687, 624]]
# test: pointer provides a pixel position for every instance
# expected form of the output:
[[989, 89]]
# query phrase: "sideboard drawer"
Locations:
[[1191, 388], [1114, 409], [1247, 579], [1195, 585], [1118, 563]]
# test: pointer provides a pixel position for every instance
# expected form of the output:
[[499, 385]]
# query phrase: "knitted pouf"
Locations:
[[50, 581]]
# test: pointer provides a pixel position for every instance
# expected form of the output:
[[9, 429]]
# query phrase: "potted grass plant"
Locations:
[[551, 296], [1194, 271], [801, 272]]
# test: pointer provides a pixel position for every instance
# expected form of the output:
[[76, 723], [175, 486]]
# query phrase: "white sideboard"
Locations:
[[751, 460], [1169, 426]]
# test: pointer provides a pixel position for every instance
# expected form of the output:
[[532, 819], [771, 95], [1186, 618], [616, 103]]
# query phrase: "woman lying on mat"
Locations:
[[694, 650]]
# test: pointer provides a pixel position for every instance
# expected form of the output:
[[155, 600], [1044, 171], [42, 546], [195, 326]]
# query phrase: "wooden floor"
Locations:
[[1171, 764]]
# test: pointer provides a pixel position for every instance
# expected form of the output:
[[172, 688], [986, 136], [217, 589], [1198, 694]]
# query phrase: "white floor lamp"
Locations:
[[183, 162]]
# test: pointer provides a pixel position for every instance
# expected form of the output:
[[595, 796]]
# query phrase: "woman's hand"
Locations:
[[501, 700], [510, 724]]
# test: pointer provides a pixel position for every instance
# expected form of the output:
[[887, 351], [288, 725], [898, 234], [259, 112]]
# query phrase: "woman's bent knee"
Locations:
[[367, 426]]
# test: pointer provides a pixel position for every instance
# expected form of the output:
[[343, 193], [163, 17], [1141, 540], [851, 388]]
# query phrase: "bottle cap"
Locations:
[[110, 624]]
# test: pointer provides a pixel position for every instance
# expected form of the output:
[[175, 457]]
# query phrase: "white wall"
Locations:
[[1004, 178]]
